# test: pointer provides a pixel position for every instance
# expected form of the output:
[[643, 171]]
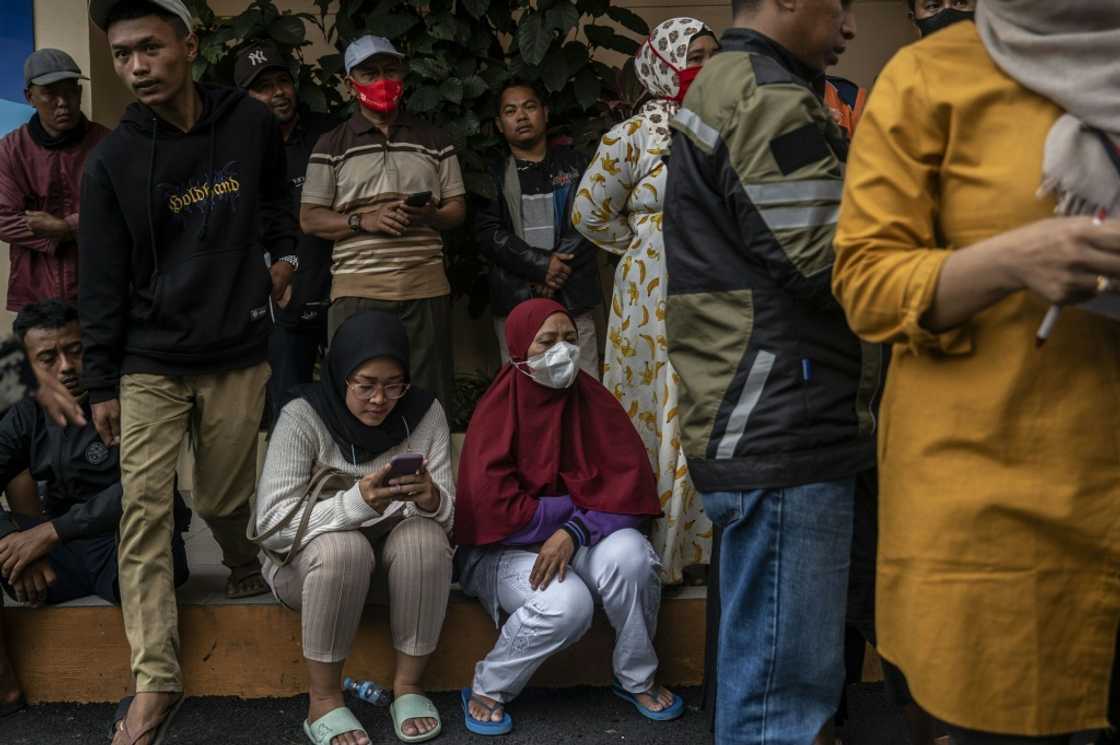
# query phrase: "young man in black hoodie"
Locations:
[[180, 203]]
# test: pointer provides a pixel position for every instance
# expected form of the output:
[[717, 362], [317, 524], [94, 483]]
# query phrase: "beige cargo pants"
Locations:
[[221, 412]]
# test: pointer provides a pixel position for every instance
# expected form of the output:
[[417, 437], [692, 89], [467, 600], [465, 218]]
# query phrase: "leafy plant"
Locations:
[[469, 388], [459, 54]]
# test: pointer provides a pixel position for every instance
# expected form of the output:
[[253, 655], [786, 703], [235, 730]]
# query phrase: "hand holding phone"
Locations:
[[405, 464], [418, 199]]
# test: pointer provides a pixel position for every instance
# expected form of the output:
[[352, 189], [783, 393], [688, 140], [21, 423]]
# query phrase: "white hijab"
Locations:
[[1069, 53]]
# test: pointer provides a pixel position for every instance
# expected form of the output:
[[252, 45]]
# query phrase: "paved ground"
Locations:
[[585, 716]]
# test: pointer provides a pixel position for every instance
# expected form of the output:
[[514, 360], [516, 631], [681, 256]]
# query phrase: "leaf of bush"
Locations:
[[599, 36], [587, 87], [425, 98], [593, 7], [623, 44], [452, 90], [443, 26], [575, 54], [554, 72], [432, 68], [477, 8], [392, 25], [474, 86], [628, 19], [533, 39], [332, 63], [562, 18], [288, 31]]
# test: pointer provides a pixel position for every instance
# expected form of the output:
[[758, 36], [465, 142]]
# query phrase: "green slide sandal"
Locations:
[[332, 724], [414, 706]]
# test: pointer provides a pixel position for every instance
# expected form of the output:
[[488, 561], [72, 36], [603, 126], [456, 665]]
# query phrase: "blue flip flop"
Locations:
[[672, 711], [478, 726]]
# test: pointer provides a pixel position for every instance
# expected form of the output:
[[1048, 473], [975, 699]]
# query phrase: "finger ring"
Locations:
[[1104, 284]]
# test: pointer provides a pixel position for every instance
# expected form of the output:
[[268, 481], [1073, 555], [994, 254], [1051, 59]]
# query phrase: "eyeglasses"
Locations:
[[366, 391]]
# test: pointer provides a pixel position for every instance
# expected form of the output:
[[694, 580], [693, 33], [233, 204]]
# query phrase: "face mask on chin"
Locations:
[[381, 95], [556, 367], [943, 19]]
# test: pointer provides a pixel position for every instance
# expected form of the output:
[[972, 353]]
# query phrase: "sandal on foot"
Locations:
[[118, 717], [414, 706], [672, 711], [332, 724], [13, 707], [245, 584], [478, 726], [158, 729]]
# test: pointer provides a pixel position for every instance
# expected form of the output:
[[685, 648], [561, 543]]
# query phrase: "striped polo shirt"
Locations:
[[355, 168]]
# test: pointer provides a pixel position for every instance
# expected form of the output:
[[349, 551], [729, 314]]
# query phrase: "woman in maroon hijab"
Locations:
[[554, 488]]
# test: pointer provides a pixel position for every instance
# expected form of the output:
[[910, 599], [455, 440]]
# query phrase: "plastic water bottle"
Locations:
[[367, 691]]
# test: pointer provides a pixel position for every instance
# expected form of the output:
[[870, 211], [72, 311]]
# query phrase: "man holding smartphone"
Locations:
[[382, 186]]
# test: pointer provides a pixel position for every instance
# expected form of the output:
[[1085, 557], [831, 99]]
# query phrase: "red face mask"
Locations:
[[684, 80], [381, 95]]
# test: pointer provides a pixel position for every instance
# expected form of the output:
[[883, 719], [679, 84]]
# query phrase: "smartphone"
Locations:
[[405, 464], [419, 199]]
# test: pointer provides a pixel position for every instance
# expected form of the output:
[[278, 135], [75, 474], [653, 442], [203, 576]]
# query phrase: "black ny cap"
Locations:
[[255, 59]]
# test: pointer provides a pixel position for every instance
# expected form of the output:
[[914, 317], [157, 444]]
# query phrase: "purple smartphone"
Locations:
[[405, 464]]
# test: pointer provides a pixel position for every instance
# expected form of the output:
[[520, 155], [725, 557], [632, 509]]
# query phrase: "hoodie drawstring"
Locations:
[[151, 188]]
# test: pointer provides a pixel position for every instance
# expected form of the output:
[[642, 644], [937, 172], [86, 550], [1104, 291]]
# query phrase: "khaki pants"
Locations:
[[221, 412], [428, 323], [328, 581]]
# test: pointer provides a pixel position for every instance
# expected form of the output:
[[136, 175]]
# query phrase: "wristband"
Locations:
[[355, 222]]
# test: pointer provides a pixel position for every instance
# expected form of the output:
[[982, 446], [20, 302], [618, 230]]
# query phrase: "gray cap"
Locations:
[[99, 11], [368, 46], [47, 66]]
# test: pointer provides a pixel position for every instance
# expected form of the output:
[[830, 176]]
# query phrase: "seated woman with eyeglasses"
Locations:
[[362, 419]]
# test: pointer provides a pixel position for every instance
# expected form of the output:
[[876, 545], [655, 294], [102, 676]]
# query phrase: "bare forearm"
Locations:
[[323, 222], [451, 214], [972, 279]]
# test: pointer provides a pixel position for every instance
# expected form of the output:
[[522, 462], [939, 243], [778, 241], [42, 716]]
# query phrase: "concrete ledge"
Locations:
[[80, 654]]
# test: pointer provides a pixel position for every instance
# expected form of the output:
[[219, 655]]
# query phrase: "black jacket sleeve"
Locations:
[[498, 243], [105, 259], [279, 226], [98, 515], [15, 451]]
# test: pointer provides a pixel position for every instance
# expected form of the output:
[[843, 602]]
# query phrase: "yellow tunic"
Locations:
[[999, 546]]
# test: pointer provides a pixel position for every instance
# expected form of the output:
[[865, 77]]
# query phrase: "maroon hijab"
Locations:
[[526, 441]]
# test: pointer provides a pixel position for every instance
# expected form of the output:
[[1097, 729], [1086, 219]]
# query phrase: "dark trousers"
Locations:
[[428, 323], [291, 354], [88, 566]]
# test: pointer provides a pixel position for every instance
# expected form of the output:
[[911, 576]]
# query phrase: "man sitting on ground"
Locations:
[[65, 547]]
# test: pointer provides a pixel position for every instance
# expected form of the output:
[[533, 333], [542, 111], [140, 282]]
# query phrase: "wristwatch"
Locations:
[[355, 221], [291, 259]]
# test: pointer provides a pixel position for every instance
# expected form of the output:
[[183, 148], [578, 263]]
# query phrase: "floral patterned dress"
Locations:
[[618, 207]]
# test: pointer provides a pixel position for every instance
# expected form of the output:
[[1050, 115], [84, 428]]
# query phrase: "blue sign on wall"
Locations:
[[17, 40]]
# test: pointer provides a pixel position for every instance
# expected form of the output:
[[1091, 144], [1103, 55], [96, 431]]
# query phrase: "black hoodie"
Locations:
[[173, 279]]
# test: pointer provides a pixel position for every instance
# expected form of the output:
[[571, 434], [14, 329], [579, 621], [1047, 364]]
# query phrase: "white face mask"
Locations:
[[556, 367]]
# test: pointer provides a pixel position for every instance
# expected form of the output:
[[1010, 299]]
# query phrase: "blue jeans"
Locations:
[[784, 557]]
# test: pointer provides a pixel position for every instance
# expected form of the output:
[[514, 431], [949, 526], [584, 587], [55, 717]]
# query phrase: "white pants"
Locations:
[[621, 573], [588, 343]]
